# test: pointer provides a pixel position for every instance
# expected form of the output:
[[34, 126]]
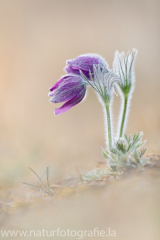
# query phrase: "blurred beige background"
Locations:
[[36, 38]]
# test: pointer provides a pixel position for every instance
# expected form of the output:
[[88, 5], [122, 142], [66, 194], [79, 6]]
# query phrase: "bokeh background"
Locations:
[[36, 39]]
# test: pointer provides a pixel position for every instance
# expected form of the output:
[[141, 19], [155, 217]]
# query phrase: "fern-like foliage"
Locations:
[[126, 152]]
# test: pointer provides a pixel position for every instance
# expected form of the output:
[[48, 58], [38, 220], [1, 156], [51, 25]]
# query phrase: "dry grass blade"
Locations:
[[41, 188]]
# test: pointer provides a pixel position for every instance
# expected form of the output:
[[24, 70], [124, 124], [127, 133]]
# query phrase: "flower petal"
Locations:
[[68, 89], [72, 102], [84, 63], [75, 70], [56, 85], [68, 69]]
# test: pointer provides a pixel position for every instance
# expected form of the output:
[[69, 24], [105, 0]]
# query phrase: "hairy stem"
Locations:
[[109, 126], [124, 116]]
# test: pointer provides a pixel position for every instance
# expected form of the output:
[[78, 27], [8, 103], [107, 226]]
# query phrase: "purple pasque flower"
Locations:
[[70, 89], [85, 64]]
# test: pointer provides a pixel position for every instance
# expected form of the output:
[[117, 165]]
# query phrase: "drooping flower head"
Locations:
[[85, 64], [70, 89], [124, 68]]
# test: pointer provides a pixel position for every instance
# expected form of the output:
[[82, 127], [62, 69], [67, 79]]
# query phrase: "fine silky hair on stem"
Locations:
[[123, 115], [102, 82], [108, 120], [124, 68]]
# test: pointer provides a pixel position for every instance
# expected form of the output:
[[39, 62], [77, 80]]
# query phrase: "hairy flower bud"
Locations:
[[124, 68], [85, 64], [70, 89]]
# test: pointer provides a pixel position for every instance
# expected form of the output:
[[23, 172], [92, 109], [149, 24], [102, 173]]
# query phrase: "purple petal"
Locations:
[[70, 70], [84, 63], [68, 89], [66, 94], [74, 101], [74, 70], [56, 85]]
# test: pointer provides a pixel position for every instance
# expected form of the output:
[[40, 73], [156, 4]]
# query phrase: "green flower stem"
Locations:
[[124, 116], [109, 125]]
